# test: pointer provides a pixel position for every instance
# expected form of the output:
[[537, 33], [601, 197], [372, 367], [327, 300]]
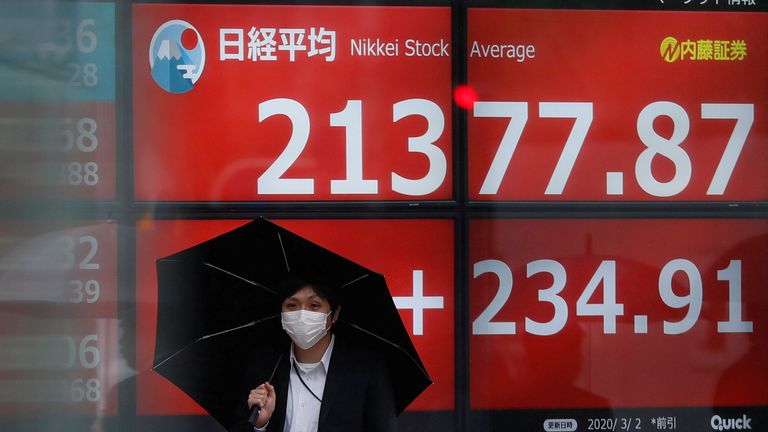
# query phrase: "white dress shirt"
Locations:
[[302, 410]]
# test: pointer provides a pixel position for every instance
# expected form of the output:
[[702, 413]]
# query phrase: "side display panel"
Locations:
[[617, 105], [57, 102], [264, 103], [59, 332], [416, 257], [654, 314]]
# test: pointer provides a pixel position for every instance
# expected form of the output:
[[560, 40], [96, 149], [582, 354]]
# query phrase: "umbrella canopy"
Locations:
[[218, 299]]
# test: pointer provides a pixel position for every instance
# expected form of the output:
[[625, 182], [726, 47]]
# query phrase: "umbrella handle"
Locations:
[[255, 411]]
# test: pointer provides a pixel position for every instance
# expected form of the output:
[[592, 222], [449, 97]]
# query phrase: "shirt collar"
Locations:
[[325, 360]]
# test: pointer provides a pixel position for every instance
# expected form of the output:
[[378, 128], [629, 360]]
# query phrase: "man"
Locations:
[[323, 381]]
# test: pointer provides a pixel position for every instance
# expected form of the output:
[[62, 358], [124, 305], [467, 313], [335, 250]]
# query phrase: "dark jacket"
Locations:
[[357, 397]]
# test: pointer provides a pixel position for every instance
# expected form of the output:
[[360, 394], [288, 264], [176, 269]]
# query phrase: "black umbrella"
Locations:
[[219, 298]]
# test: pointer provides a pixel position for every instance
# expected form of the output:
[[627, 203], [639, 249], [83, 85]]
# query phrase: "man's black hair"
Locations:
[[292, 284]]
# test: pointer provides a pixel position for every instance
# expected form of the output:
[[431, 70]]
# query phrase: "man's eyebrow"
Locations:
[[310, 297]]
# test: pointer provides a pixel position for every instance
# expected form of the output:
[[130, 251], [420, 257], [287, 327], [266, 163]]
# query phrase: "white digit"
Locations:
[[74, 79], [86, 263], [745, 116], [692, 301], [87, 134], [78, 291], [74, 174], [91, 173], [351, 118], [86, 39], [93, 390], [270, 182], [90, 356], [669, 148], [425, 144], [517, 113], [735, 324], [582, 112], [77, 392], [92, 289], [482, 325], [90, 79], [549, 295], [608, 309]]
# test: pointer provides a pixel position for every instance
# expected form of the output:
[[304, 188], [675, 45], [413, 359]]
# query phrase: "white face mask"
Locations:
[[305, 327]]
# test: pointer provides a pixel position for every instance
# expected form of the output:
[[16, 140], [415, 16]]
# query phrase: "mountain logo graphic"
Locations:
[[176, 56]]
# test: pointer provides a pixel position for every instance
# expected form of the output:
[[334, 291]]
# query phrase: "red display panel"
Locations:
[[416, 256], [292, 103], [618, 313], [58, 151], [617, 105], [59, 333]]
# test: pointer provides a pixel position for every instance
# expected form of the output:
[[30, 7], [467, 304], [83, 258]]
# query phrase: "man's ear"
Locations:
[[335, 315]]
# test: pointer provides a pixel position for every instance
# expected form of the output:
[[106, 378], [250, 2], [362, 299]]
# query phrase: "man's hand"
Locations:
[[264, 397]]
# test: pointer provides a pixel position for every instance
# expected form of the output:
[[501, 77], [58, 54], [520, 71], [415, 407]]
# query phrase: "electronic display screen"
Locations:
[[312, 103], [568, 199], [613, 314], [57, 102], [580, 105], [59, 325]]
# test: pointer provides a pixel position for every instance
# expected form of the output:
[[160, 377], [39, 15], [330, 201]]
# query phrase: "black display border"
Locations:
[[127, 211]]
